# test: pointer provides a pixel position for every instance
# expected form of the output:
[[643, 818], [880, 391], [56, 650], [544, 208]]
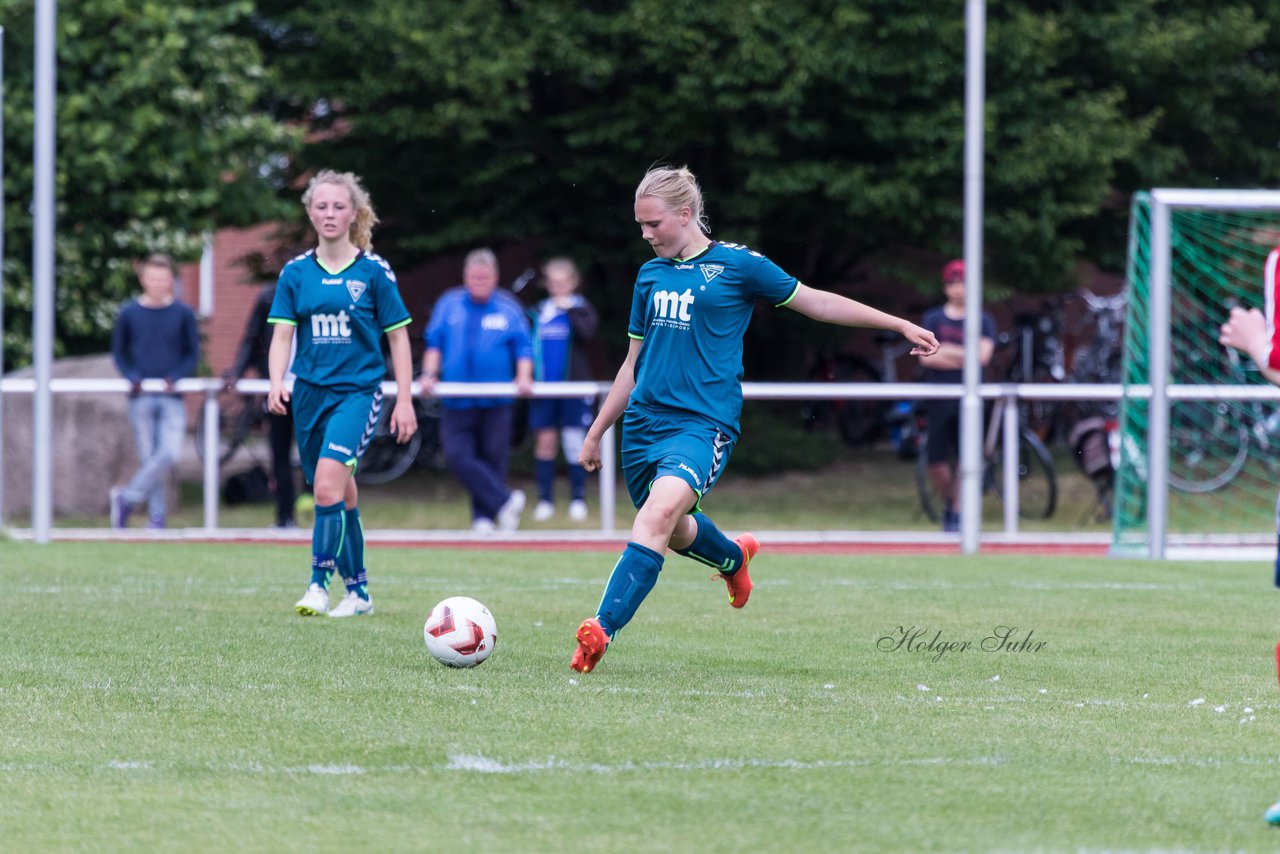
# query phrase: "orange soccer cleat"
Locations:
[[739, 583], [592, 642]]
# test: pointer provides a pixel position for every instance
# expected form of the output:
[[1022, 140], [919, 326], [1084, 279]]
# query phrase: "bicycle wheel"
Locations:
[[1042, 417], [384, 459], [858, 421], [430, 454], [1207, 446], [1037, 483], [237, 418]]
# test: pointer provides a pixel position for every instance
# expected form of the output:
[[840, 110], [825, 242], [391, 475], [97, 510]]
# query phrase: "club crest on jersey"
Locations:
[[356, 289], [710, 271]]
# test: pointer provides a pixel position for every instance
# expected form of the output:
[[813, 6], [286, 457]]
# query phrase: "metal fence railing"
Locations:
[[209, 389]]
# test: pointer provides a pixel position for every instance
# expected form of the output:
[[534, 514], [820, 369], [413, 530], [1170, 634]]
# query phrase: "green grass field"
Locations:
[[166, 697]]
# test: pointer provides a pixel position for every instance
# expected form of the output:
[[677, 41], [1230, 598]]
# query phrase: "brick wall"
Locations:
[[234, 291]]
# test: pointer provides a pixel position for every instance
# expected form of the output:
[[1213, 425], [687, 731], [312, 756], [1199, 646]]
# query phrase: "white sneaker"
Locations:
[[483, 527], [578, 510], [314, 602], [352, 606], [509, 513], [544, 511]]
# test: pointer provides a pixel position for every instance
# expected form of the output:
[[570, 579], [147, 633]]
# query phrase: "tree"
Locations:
[[824, 133], [158, 141]]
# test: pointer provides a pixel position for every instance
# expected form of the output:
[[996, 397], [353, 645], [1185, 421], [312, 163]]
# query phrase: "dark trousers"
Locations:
[[281, 465], [477, 445]]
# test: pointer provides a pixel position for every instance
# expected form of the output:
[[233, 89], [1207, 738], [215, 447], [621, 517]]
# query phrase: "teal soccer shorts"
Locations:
[[335, 425], [658, 444]]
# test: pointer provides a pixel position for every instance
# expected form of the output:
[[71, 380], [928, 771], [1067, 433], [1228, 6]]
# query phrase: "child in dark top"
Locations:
[[947, 366], [563, 324]]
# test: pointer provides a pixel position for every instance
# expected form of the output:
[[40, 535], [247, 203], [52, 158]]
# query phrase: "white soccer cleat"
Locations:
[[509, 513], [483, 527], [578, 510], [314, 602], [352, 606], [544, 511]]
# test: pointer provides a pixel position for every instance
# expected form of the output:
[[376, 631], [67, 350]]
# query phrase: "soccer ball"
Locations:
[[460, 632]]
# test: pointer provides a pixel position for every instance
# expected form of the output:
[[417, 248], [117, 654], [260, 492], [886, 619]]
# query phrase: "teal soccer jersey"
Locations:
[[340, 318], [691, 316]]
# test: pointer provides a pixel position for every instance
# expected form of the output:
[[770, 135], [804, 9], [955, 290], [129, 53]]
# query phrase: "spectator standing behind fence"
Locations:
[[155, 337], [562, 323], [254, 347], [947, 366], [478, 333]]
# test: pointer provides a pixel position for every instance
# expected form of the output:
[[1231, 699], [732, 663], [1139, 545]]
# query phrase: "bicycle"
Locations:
[[1037, 355], [1037, 483], [855, 421], [385, 459], [1209, 440], [240, 417], [1091, 428], [861, 421]]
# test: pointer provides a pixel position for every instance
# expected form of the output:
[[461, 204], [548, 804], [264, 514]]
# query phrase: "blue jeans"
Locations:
[[159, 425]]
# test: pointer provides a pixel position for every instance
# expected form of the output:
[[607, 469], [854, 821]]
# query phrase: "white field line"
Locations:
[[476, 763]]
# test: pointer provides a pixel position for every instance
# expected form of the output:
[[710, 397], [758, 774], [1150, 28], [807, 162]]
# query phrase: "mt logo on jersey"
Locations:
[[672, 308]]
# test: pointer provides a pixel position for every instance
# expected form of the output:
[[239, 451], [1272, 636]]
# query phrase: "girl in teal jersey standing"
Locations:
[[679, 393], [339, 299]]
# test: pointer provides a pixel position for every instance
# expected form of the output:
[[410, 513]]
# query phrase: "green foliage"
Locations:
[[825, 133], [158, 141], [821, 131]]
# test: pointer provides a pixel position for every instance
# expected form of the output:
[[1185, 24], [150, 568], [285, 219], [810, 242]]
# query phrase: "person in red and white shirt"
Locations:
[[1254, 333]]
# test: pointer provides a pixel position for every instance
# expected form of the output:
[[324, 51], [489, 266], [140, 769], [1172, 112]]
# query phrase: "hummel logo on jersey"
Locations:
[[337, 281], [495, 322], [339, 448], [684, 266], [356, 289], [710, 271], [330, 327], [672, 307]]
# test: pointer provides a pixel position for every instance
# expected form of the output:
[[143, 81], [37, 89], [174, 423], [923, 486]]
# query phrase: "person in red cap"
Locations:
[[947, 366]]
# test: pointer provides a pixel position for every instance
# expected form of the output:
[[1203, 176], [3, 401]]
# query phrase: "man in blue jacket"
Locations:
[[479, 333]]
